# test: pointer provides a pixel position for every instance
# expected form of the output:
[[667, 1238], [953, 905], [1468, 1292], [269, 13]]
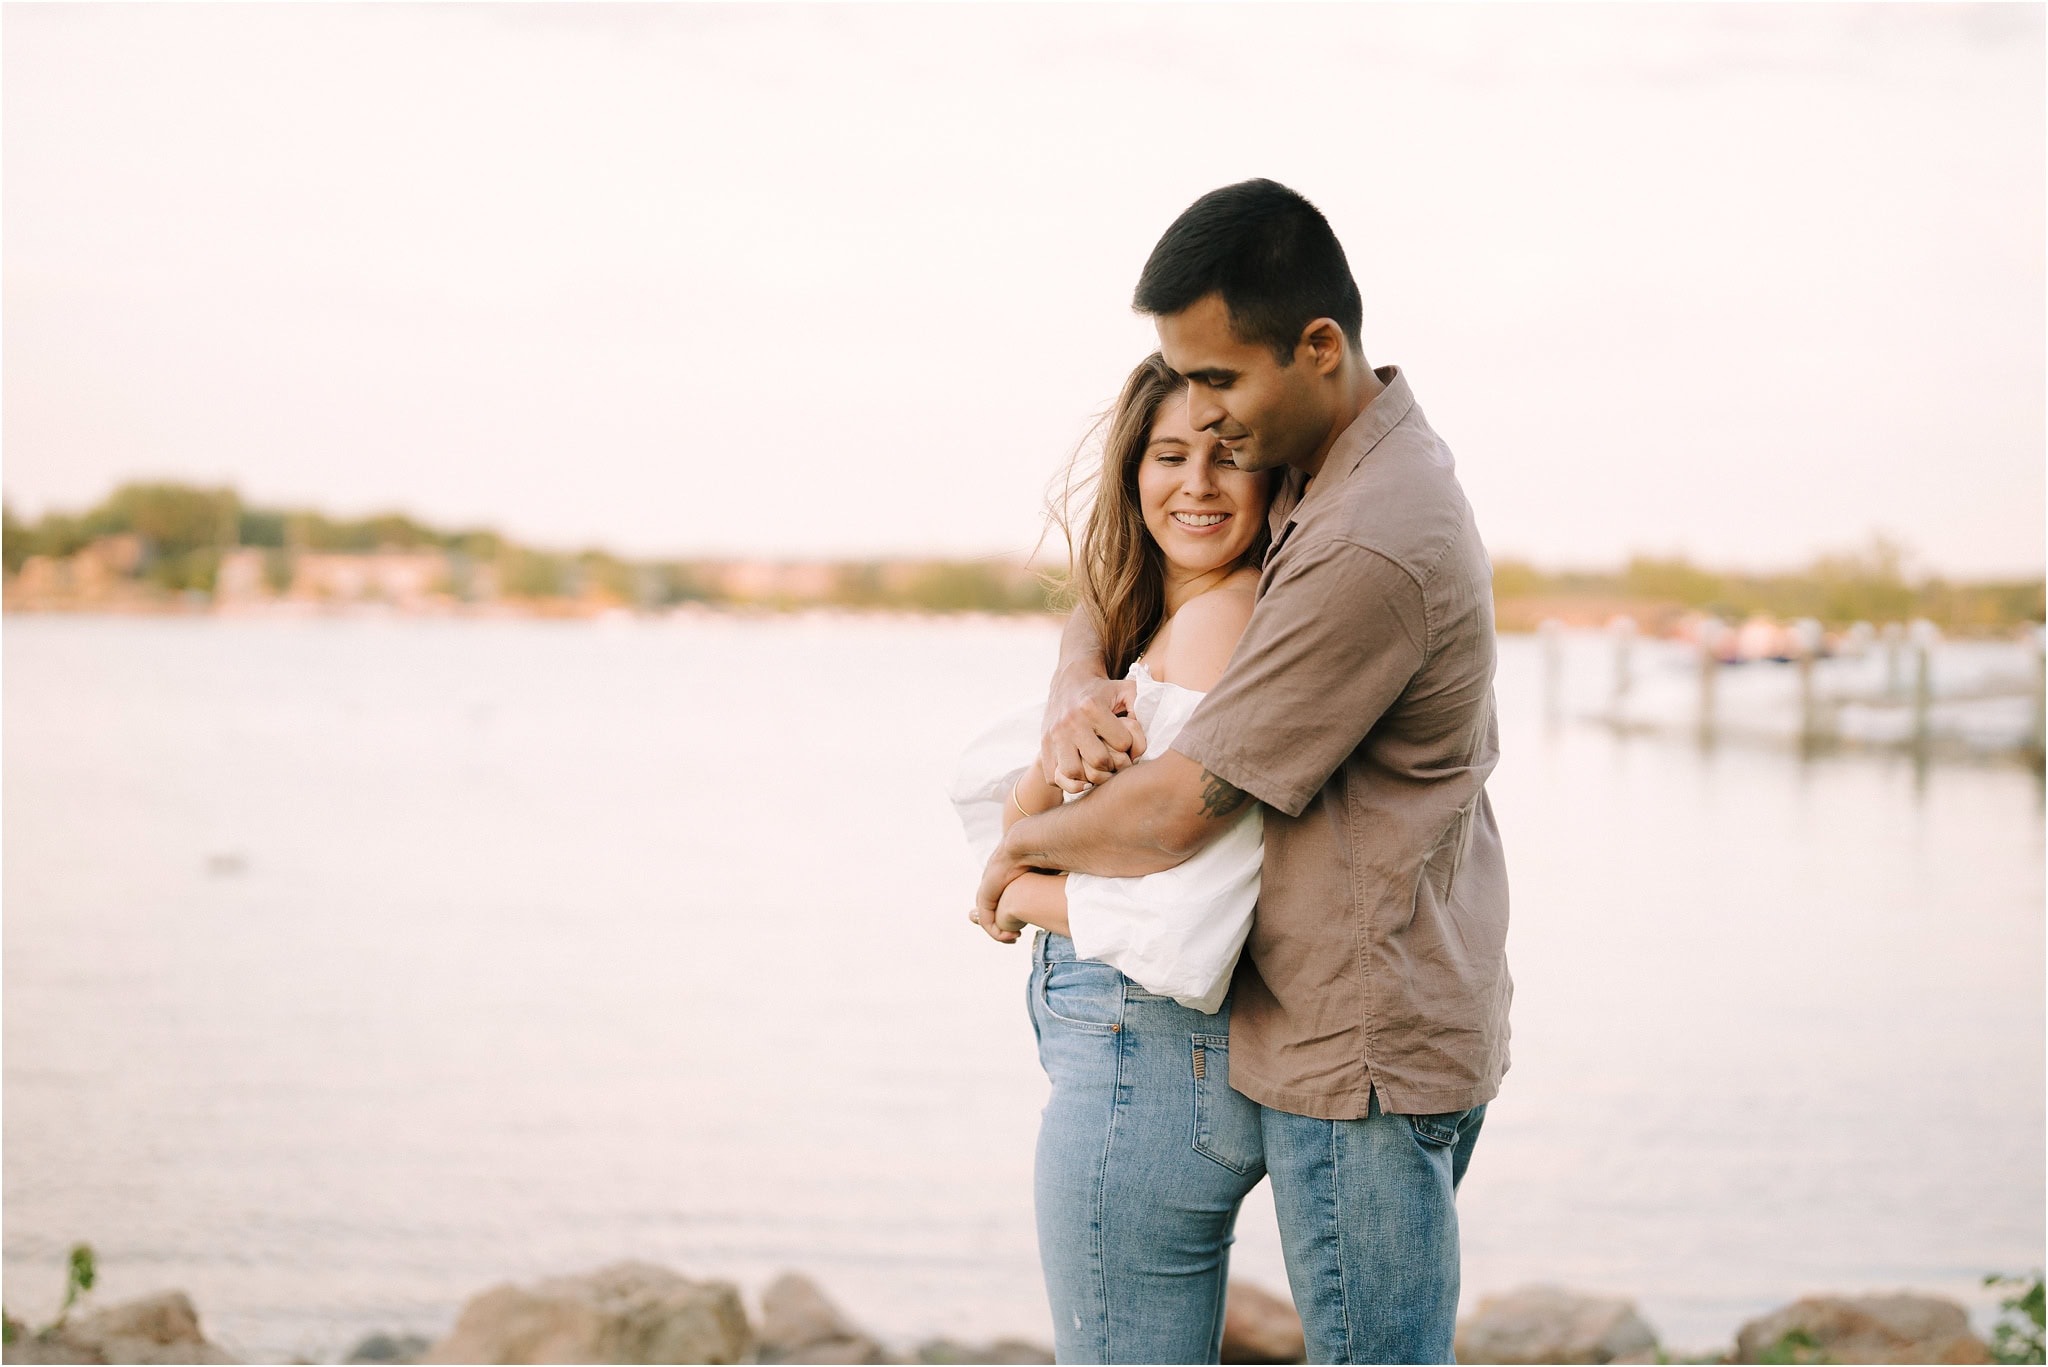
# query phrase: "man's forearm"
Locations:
[[1143, 820], [1080, 653], [1150, 817]]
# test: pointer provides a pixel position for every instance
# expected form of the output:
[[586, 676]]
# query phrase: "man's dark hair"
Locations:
[[1268, 252]]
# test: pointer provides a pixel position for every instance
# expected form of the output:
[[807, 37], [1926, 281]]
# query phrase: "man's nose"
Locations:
[[1203, 410]]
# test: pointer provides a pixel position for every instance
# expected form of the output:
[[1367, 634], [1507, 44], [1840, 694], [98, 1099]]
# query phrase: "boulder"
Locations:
[[44, 1348], [799, 1324], [1259, 1326], [629, 1312], [159, 1328], [1548, 1324], [401, 1348], [1897, 1328]]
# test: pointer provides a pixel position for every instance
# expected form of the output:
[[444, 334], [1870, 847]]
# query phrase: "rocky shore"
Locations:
[[640, 1313]]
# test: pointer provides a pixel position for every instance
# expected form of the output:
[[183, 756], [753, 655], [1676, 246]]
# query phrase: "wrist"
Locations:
[[1033, 793], [1011, 850], [1079, 673]]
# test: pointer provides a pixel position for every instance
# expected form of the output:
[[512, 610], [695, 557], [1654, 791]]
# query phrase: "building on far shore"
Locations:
[[405, 579]]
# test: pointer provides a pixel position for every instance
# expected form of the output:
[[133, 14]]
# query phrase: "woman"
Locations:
[[1144, 1151]]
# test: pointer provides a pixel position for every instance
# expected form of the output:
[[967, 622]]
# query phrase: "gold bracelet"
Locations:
[[1018, 802]]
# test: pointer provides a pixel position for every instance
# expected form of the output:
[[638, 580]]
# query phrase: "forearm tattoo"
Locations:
[[1220, 797]]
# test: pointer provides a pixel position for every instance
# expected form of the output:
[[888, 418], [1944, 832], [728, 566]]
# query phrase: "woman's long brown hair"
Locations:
[[1117, 574]]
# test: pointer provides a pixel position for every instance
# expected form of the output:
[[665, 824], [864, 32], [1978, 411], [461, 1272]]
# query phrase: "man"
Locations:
[[1369, 1014]]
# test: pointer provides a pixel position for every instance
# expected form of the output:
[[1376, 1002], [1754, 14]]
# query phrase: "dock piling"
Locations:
[[1624, 631], [1712, 632], [1923, 636], [1551, 633], [1807, 640]]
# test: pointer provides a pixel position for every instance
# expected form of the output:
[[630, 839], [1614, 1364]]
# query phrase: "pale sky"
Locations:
[[1747, 282]]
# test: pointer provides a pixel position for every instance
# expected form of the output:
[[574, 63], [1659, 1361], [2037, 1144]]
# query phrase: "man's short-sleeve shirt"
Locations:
[[1359, 708]]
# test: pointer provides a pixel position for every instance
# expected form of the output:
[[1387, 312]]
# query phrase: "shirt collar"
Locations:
[[1348, 452]]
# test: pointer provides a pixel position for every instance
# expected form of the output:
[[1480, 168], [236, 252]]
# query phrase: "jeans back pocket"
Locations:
[[1226, 1121]]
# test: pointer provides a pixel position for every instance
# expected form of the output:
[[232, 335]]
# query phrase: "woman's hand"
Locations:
[[1034, 899], [1001, 925], [1003, 870]]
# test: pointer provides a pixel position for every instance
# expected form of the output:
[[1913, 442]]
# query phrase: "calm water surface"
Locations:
[[351, 967]]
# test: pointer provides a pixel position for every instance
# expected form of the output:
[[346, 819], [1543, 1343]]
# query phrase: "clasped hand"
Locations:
[[1090, 735]]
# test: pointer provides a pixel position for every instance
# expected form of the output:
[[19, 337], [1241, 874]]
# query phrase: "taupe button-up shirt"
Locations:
[[1359, 708]]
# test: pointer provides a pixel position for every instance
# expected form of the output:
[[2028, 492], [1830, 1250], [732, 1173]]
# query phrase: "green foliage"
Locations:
[[970, 585], [609, 575], [173, 518], [262, 527], [15, 539], [312, 531], [2017, 1337], [78, 1278], [186, 571], [56, 534], [185, 529], [1859, 586], [667, 583], [529, 574], [1517, 579], [1795, 1345], [1674, 579], [79, 1275], [480, 546]]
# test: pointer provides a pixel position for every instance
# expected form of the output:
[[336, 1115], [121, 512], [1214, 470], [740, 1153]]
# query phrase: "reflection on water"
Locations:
[[351, 967]]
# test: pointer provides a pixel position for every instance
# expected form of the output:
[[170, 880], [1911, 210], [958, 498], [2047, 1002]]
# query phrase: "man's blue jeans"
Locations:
[[1369, 1226], [1144, 1155]]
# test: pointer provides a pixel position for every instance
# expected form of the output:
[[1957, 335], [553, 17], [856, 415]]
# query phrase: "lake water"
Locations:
[[353, 966]]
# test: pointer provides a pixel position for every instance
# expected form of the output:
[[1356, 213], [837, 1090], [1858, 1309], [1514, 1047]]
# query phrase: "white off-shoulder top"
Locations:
[[1178, 932]]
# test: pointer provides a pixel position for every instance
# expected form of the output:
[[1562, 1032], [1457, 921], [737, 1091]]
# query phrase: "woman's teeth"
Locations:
[[1200, 519]]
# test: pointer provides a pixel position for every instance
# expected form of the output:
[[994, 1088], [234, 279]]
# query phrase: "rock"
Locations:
[[1259, 1326], [1897, 1328], [798, 1324], [389, 1348], [1547, 1324], [1001, 1351], [45, 1348], [629, 1312], [159, 1328]]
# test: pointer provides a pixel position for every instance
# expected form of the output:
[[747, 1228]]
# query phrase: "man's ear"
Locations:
[[1324, 342]]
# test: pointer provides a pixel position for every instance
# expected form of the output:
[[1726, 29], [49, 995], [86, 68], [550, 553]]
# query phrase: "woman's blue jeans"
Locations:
[[1144, 1155]]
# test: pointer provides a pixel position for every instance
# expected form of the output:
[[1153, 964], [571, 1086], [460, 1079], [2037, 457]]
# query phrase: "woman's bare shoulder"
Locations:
[[1205, 632]]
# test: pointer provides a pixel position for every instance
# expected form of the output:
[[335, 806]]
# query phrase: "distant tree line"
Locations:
[[1862, 586], [183, 531]]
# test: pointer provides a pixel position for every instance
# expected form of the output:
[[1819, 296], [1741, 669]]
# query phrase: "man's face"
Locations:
[[1266, 413]]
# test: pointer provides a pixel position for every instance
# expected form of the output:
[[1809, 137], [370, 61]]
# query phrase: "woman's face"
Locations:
[[1202, 511]]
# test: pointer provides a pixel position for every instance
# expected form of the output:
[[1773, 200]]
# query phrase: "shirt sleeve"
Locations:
[[1336, 637]]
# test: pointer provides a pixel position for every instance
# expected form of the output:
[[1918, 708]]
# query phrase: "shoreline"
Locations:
[[645, 1312]]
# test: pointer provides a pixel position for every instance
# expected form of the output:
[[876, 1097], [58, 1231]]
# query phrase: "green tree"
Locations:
[[2017, 1337], [17, 539], [172, 518], [530, 574], [262, 527]]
